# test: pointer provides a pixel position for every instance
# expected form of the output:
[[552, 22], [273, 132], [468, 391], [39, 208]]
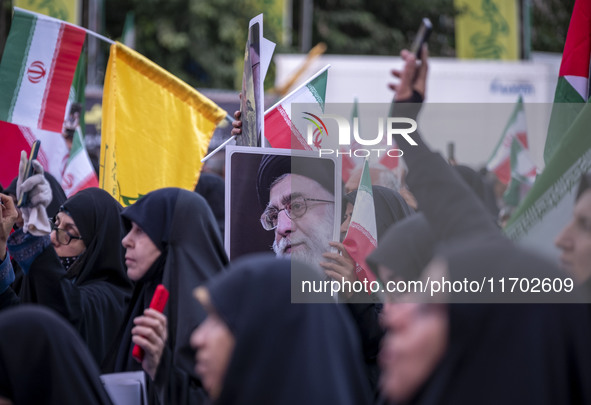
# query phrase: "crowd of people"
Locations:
[[77, 276]]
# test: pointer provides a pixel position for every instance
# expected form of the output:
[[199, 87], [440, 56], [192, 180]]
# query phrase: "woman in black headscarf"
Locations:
[[44, 361], [282, 353], [185, 251], [78, 270], [492, 352]]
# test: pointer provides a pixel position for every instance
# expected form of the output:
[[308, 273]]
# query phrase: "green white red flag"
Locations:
[[73, 175], [511, 161], [282, 130], [78, 173], [362, 235], [37, 69], [572, 89]]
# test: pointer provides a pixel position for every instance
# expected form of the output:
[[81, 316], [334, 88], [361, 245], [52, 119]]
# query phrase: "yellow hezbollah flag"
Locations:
[[66, 10], [156, 128], [487, 29]]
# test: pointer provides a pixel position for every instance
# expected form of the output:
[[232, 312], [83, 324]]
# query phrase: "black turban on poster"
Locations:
[[275, 166]]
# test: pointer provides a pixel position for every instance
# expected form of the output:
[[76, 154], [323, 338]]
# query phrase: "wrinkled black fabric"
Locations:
[[285, 353], [212, 188], [481, 188], [182, 226], [93, 293], [390, 208], [44, 361]]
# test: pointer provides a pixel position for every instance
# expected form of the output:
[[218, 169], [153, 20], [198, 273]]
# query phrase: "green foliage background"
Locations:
[[202, 41]]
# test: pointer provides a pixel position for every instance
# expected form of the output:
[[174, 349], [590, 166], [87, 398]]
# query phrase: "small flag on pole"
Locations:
[[283, 131], [362, 235], [511, 161]]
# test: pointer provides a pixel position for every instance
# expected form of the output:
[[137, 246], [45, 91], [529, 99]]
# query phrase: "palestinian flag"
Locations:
[[282, 130], [362, 235], [37, 68], [573, 82]]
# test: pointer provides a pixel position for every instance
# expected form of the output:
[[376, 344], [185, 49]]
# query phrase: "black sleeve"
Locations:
[[8, 299], [452, 209]]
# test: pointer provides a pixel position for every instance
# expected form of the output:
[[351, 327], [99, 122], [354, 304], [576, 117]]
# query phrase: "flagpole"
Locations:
[[227, 141], [99, 36], [298, 88], [89, 32], [216, 150]]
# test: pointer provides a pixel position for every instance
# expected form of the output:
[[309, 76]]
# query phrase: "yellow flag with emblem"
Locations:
[[487, 29], [155, 129]]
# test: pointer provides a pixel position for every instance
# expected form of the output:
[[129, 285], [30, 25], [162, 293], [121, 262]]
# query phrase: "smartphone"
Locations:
[[451, 148], [422, 36], [29, 170]]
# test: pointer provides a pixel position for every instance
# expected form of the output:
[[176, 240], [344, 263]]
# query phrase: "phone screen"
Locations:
[[29, 170]]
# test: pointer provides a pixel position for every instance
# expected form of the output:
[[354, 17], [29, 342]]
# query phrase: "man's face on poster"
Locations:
[[304, 214]]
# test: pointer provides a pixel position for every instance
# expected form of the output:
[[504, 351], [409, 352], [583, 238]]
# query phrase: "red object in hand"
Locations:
[[158, 303]]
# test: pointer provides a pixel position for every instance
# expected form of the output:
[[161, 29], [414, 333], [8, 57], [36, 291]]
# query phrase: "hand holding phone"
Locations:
[[29, 171], [422, 37], [158, 303]]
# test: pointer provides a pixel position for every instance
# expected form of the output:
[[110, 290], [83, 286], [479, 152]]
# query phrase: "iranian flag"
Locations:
[[523, 174], [78, 173], [511, 161], [283, 130], [362, 235], [72, 169], [37, 69], [572, 89]]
